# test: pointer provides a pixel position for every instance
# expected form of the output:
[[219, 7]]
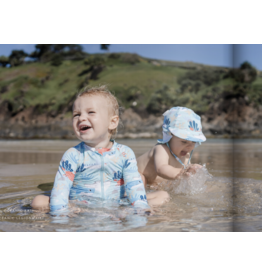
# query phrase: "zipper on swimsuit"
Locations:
[[101, 176]]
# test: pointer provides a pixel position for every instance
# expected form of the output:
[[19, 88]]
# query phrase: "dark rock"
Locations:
[[225, 118]]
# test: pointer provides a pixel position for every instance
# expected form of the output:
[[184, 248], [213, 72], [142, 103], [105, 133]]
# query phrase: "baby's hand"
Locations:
[[192, 169]]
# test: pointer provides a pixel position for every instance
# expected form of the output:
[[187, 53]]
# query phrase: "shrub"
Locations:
[[255, 94], [160, 101], [114, 56], [95, 60], [57, 60], [127, 96], [17, 57], [205, 76], [4, 61], [245, 74], [188, 85], [130, 58]]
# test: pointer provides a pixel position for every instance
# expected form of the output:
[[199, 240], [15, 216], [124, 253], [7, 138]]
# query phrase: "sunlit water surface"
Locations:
[[224, 196]]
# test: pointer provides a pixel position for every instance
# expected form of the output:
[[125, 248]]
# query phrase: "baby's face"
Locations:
[[91, 119], [181, 147]]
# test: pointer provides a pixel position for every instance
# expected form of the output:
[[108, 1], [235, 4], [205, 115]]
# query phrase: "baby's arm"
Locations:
[[163, 169], [63, 182], [134, 185], [192, 168]]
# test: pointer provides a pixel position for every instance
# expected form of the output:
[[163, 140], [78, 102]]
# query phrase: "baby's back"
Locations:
[[146, 164]]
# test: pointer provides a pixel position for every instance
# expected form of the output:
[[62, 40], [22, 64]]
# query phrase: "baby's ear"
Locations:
[[114, 122]]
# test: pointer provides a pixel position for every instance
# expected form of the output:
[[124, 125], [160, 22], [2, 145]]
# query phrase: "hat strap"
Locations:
[[178, 158]]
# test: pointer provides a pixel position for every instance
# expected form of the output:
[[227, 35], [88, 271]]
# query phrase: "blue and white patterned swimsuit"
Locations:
[[107, 175]]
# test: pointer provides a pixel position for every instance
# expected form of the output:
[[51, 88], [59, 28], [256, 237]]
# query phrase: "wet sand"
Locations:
[[230, 202]]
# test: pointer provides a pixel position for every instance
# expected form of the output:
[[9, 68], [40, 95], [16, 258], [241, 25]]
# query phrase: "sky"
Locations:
[[226, 55]]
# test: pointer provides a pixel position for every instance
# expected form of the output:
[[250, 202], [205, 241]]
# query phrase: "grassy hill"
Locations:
[[51, 88], [147, 86]]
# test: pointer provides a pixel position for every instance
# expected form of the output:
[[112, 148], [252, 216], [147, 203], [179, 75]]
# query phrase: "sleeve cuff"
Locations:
[[58, 209], [141, 204]]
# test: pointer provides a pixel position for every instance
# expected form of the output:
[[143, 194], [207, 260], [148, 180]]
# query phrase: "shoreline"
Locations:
[[131, 136]]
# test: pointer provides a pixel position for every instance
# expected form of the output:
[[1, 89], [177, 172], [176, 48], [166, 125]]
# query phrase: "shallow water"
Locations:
[[230, 200]]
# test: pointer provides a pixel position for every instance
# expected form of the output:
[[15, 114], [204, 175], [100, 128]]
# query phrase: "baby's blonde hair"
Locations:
[[102, 90]]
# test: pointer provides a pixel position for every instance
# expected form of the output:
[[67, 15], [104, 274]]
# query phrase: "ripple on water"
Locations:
[[199, 203], [2, 185], [96, 216]]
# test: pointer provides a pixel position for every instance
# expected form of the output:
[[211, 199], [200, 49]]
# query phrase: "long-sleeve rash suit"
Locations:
[[98, 173]]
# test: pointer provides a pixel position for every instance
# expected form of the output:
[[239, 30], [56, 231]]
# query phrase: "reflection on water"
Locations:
[[29, 157], [229, 201]]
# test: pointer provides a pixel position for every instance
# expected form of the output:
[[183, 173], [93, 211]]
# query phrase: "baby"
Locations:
[[170, 158], [98, 167]]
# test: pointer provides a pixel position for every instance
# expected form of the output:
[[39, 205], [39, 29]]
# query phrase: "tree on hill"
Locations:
[[246, 73], [17, 57], [73, 51], [104, 47], [55, 53], [246, 65], [40, 51], [47, 52], [4, 61], [75, 48], [57, 60]]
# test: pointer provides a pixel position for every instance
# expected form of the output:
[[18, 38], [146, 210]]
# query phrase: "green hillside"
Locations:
[[148, 86]]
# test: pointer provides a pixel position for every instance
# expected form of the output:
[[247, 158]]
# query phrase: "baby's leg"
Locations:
[[41, 202], [157, 198]]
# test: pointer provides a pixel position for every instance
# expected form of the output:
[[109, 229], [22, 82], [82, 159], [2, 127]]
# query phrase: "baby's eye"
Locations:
[[91, 112], [75, 115]]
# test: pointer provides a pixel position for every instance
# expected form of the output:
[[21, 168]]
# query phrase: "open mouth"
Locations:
[[84, 128], [183, 153]]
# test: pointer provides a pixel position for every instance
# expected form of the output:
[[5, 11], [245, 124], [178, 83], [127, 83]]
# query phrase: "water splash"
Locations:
[[194, 184]]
